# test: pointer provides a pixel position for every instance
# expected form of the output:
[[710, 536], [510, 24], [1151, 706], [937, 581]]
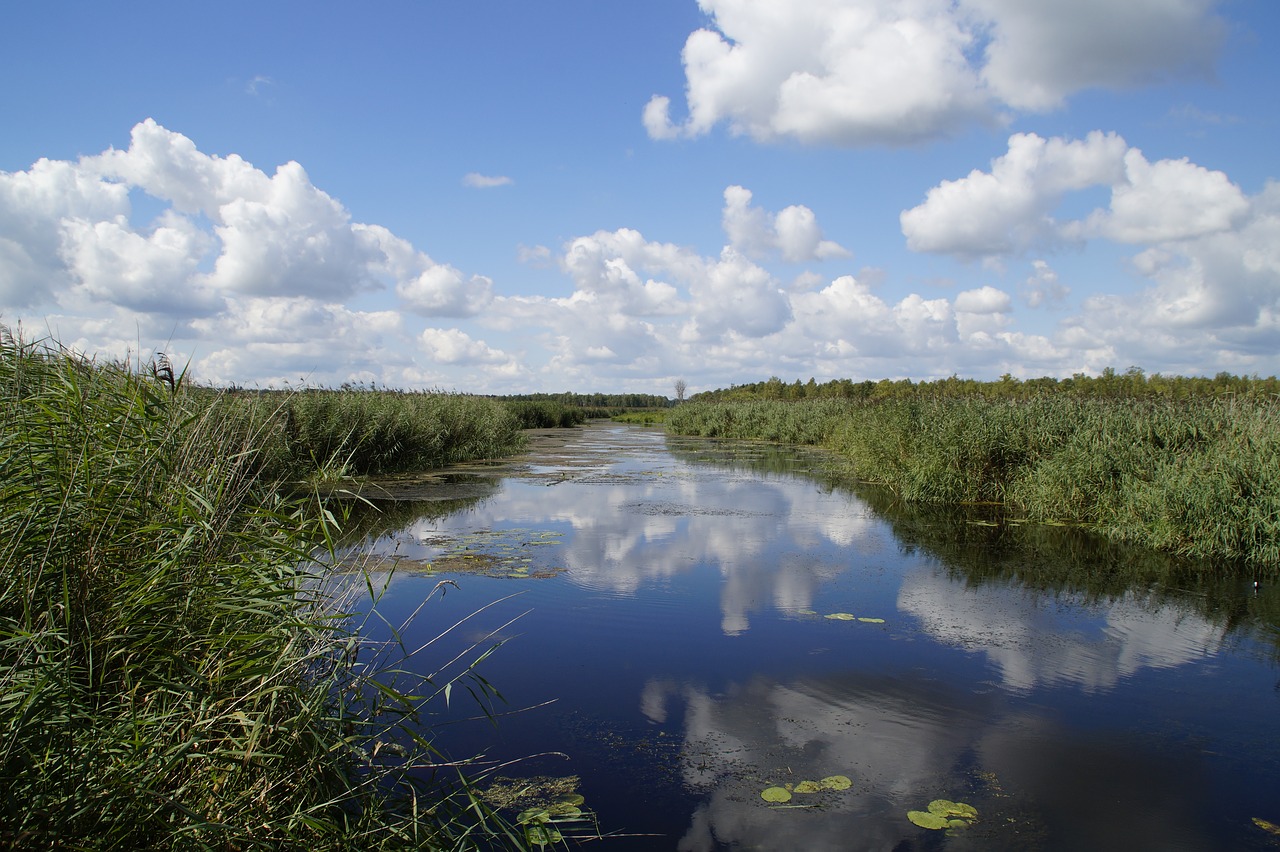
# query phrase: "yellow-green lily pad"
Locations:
[[841, 616], [777, 795], [872, 620], [1266, 826], [836, 782], [532, 815], [542, 835], [948, 808], [808, 787], [924, 819]]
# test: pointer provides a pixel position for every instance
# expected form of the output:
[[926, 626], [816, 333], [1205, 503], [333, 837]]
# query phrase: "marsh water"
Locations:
[[673, 597]]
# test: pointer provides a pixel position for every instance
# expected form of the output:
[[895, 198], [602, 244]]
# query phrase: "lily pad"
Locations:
[[809, 787], [564, 810], [570, 799], [872, 620], [1266, 826], [542, 835], [841, 616], [836, 782], [924, 819], [532, 815], [776, 794], [948, 808]]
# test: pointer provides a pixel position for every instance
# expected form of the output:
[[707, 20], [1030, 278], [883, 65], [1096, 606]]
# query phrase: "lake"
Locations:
[[711, 620]]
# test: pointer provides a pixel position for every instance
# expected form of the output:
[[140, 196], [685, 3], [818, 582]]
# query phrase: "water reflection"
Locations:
[[1032, 641], [1035, 782], [1078, 693]]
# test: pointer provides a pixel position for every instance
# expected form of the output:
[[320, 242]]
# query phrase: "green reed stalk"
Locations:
[[1198, 477], [175, 668]]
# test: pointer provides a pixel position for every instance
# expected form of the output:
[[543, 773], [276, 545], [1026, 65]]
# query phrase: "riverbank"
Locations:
[[175, 667], [1198, 477]]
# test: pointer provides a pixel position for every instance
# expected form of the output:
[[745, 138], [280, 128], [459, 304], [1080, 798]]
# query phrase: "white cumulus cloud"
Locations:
[[860, 72], [793, 232]]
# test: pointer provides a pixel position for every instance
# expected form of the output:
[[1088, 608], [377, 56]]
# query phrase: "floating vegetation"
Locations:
[[511, 553], [551, 807], [782, 795], [944, 814], [1266, 826], [848, 616]]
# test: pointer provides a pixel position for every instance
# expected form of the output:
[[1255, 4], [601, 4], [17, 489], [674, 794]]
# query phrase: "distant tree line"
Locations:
[[1131, 384], [593, 400]]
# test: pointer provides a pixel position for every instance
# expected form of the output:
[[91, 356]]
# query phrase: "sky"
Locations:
[[501, 196]]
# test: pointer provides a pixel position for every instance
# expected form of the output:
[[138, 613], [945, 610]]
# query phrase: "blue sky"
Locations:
[[508, 197]]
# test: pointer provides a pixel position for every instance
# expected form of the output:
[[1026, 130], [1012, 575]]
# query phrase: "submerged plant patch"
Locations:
[[513, 553]]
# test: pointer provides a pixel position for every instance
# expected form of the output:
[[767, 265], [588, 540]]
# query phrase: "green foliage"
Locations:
[[547, 414], [360, 431], [175, 670], [1198, 476], [1131, 384]]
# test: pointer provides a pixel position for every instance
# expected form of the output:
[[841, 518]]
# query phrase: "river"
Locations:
[[711, 620]]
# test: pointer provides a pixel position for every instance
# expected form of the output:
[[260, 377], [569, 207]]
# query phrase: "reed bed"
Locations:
[[176, 669], [359, 432], [1198, 477]]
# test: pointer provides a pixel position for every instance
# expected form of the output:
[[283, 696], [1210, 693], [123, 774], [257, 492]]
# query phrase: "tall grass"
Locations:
[[1195, 477], [175, 670], [367, 432]]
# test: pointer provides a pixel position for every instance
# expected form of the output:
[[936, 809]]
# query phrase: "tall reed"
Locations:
[[1198, 477], [175, 670]]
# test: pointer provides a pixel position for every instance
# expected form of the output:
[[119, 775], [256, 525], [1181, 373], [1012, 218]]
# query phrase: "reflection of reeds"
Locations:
[[1197, 477], [174, 668]]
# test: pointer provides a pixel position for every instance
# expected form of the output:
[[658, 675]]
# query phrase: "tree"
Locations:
[[681, 387]]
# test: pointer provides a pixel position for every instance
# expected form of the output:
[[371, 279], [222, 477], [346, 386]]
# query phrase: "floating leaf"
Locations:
[[564, 810], [924, 819], [836, 782], [532, 815], [542, 835], [809, 787], [776, 794], [841, 616], [1266, 826], [948, 808], [570, 799], [806, 612], [958, 823], [872, 620]]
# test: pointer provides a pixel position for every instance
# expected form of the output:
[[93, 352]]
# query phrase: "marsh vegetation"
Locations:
[[177, 669], [1194, 475]]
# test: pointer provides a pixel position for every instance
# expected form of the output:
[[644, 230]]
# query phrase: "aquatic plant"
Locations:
[[944, 814], [1197, 477], [176, 671]]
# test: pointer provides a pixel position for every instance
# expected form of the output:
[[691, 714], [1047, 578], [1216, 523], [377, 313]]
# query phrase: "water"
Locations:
[[670, 597]]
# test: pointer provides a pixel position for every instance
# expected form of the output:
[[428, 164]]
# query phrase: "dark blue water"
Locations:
[[669, 597]]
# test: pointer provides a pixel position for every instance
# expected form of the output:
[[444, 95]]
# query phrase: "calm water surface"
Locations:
[[671, 595]]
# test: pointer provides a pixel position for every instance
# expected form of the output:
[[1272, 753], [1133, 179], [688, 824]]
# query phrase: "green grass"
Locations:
[[366, 432], [1198, 477], [176, 671]]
